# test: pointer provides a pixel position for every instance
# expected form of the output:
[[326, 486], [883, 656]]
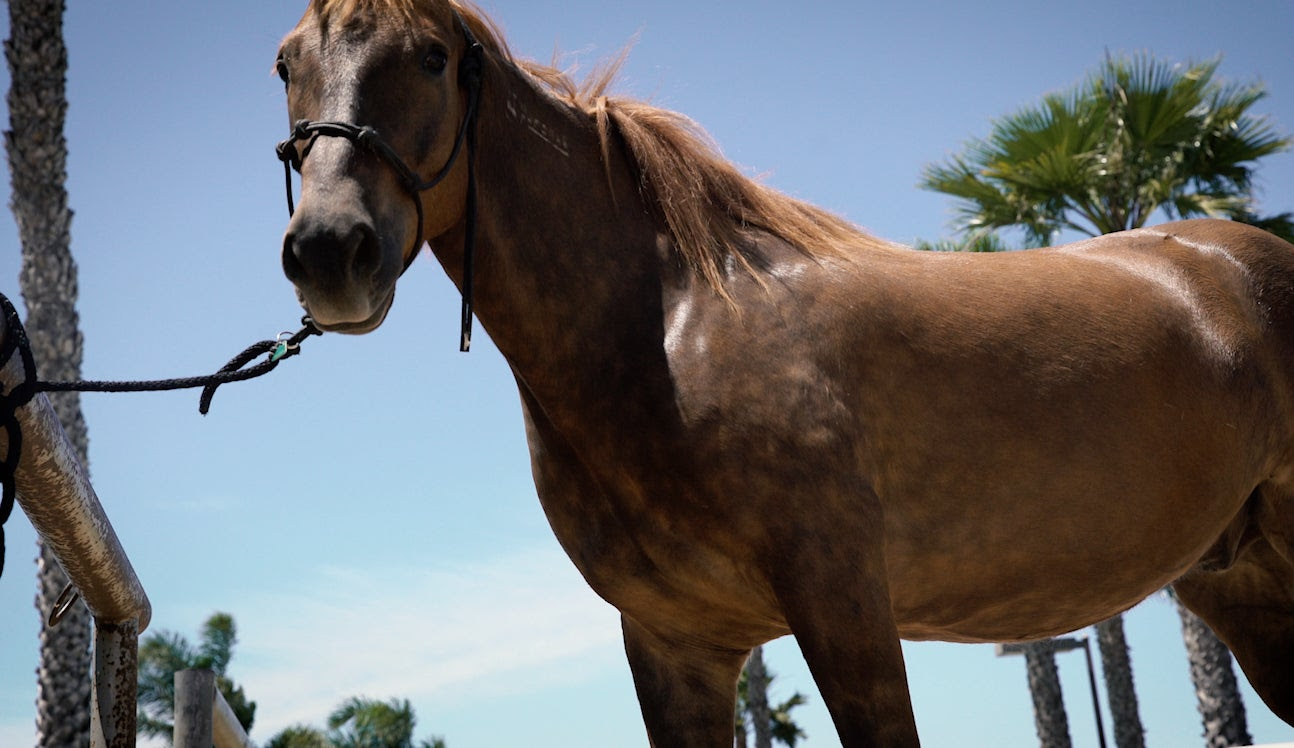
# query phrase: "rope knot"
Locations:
[[368, 138], [288, 153]]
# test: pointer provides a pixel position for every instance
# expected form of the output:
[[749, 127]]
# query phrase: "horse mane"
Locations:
[[710, 208]]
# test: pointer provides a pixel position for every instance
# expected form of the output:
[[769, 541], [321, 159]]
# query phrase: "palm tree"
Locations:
[[1139, 138], [756, 701], [1049, 716], [37, 153], [360, 723], [163, 653], [1221, 709], [769, 724], [368, 723], [986, 242], [783, 728], [1119, 689], [299, 736]]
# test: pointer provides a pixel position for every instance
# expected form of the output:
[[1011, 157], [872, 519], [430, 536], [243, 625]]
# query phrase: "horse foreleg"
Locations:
[[1250, 606], [835, 598], [687, 691]]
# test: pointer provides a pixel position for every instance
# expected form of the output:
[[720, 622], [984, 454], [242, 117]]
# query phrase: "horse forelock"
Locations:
[[342, 11], [708, 205]]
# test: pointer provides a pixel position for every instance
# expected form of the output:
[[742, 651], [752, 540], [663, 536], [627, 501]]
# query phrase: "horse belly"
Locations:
[[1033, 515], [1034, 549]]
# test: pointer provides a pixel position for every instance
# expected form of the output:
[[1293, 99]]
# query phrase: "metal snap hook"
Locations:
[[283, 346]]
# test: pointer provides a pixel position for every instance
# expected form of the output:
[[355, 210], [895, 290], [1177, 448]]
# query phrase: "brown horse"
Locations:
[[748, 419]]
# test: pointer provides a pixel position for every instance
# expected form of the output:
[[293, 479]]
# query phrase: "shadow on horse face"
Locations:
[[385, 86]]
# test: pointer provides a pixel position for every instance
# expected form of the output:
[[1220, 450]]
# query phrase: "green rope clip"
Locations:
[[279, 351]]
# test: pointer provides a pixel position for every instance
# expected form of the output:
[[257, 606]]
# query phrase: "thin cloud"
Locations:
[[430, 635]]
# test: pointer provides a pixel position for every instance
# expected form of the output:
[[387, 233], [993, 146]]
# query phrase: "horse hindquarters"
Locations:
[[1250, 606]]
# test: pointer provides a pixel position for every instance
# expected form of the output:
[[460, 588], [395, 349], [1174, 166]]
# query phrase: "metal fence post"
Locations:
[[116, 663], [194, 693]]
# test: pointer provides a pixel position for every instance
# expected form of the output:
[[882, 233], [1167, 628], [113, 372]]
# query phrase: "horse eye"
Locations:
[[282, 68], [436, 61]]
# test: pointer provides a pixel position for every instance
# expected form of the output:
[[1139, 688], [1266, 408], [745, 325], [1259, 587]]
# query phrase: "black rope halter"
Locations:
[[469, 75]]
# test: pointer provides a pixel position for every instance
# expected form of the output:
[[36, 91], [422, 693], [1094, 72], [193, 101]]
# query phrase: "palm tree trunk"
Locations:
[[1048, 702], [1117, 666], [757, 699], [37, 155], [1214, 678]]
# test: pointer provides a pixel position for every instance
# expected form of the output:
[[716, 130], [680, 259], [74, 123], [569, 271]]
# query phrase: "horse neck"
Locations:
[[569, 267]]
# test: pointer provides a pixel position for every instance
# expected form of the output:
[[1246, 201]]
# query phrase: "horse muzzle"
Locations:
[[344, 277]]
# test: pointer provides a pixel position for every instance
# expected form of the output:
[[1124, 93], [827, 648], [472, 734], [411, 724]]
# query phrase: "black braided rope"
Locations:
[[15, 341], [230, 372]]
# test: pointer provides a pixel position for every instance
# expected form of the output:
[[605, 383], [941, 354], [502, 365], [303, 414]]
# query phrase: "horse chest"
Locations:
[[655, 552]]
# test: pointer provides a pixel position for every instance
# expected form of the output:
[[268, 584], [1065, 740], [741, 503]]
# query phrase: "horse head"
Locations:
[[382, 95]]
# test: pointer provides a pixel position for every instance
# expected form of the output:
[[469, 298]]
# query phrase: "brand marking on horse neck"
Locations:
[[517, 112]]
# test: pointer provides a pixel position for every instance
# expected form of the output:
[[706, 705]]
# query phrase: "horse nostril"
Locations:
[[365, 254], [292, 265], [334, 255]]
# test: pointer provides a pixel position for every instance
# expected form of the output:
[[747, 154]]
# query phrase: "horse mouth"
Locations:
[[360, 327]]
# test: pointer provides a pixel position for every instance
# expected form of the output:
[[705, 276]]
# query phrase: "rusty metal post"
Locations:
[[116, 667], [194, 694]]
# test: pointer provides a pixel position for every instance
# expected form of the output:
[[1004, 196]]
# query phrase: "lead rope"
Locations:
[[284, 346]]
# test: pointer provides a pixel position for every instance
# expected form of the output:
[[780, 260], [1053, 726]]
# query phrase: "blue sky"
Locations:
[[366, 513]]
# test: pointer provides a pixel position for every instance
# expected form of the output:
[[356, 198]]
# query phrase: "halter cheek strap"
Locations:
[[469, 76]]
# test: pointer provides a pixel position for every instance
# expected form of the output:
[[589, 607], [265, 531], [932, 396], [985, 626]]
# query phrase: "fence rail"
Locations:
[[55, 494]]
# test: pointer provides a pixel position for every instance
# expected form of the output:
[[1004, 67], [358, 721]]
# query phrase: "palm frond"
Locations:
[[1138, 137]]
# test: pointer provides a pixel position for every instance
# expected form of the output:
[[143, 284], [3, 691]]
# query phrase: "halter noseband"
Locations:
[[469, 75]]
